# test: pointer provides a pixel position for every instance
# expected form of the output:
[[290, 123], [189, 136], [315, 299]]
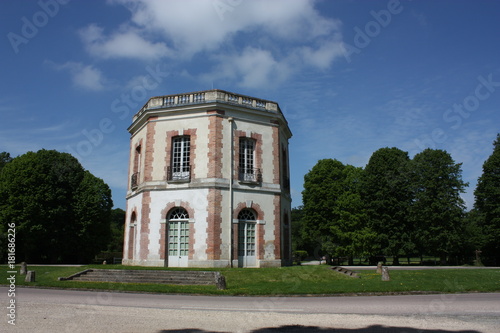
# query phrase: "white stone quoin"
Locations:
[[209, 183]]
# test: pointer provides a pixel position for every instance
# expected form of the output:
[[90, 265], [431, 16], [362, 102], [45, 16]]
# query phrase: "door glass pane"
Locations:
[[172, 238], [250, 239], [241, 239], [246, 239]]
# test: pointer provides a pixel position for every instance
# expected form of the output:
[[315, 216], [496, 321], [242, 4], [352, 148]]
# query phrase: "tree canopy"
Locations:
[[333, 214], [61, 211], [387, 194], [437, 209], [4, 159], [396, 206]]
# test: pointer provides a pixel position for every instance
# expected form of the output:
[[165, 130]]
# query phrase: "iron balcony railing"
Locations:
[[250, 175], [181, 173]]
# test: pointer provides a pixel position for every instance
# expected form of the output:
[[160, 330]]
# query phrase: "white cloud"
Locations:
[[254, 43], [252, 68], [83, 76], [196, 25], [123, 44], [323, 56]]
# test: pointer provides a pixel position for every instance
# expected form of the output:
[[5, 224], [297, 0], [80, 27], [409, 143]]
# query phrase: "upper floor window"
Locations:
[[180, 169], [134, 179], [247, 170]]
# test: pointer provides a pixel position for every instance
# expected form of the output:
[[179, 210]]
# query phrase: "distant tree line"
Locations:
[[399, 207], [61, 212]]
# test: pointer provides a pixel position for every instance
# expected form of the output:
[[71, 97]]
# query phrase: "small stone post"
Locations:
[[379, 267], [24, 268], [30, 276], [385, 274], [220, 281]]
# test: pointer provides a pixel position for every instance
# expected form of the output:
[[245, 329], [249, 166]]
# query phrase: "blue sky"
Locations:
[[350, 76]]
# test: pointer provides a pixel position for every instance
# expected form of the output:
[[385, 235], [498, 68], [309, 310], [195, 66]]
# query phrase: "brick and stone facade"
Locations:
[[208, 183]]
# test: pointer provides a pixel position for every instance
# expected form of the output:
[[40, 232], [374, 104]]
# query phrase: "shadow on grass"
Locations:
[[315, 329]]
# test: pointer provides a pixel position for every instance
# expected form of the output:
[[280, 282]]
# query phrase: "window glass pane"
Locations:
[[180, 153], [246, 155]]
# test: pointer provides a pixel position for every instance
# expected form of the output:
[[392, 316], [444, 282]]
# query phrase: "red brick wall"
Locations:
[[235, 241], [149, 149], [192, 152], [214, 221], [215, 145], [144, 237]]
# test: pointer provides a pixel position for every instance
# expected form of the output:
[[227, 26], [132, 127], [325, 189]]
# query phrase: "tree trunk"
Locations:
[[395, 261]]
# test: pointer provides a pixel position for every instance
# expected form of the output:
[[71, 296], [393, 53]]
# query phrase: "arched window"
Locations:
[[131, 235], [247, 215], [178, 237], [246, 238], [178, 213]]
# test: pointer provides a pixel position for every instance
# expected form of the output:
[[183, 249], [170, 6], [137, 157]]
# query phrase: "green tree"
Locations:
[[117, 230], [92, 211], [354, 236], [437, 210], [487, 203], [322, 185], [333, 213], [387, 194], [58, 208], [473, 238]]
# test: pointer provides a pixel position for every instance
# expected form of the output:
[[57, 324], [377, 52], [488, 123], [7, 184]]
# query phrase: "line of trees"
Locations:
[[62, 213], [399, 207]]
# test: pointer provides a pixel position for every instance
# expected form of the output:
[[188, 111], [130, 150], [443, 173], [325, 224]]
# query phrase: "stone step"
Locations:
[[145, 276], [150, 272], [130, 280]]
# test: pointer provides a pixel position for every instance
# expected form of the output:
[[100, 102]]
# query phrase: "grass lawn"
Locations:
[[295, 280]]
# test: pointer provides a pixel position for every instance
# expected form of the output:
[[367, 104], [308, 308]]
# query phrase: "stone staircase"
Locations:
[[147, 276]]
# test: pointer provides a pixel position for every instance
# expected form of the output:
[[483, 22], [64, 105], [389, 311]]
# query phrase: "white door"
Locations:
[[178, 243], [246, 244]]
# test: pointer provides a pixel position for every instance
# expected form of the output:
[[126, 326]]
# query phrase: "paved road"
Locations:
[[50, 310]]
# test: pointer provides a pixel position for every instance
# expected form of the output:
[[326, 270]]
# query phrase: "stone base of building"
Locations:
[[269, 263], [200, 263], [146, 263]]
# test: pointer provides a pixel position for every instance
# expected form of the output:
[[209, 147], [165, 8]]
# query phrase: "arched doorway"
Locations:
[[178, 237], [246, 238]]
